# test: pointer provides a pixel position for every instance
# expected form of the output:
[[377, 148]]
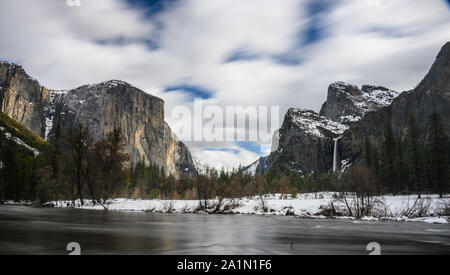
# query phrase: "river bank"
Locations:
[[324, 205]]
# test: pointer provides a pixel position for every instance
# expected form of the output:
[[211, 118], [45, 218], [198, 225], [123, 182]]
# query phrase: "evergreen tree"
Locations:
[[401, 166], [438, 155], [371, 158], [415, 156], [389, 158], [368, 153]]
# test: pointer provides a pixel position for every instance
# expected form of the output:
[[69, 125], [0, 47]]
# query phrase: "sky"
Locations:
[[228, 52]]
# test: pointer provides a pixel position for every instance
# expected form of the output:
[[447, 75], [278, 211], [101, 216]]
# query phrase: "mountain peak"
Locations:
[[9, 64], [437, 80], [343, 87], [8, 68], [444, 52], [111, 88], [346, 103], [115, 83], [312, 123], [100, 107]]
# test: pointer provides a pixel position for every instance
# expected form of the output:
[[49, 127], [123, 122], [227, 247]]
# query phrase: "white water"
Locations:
[[335, 154]]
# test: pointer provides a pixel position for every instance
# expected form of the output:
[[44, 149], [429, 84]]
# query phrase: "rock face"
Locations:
[[346, 103], [258, 167], [101, 107], [307, 140], [22, 98], [432, 94], [306, 143]]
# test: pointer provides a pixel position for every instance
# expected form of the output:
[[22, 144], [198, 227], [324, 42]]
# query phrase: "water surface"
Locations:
[[25, 230]]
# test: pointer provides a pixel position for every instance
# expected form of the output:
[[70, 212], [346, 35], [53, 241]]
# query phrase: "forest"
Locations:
[[71, 166]]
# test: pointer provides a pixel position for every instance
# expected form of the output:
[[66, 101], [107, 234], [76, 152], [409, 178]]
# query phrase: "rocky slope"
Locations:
[[346, 103], [258, 167], [306, 143], [11, 130], [101, 107], [308, 140], [433, 93], [23, 98]]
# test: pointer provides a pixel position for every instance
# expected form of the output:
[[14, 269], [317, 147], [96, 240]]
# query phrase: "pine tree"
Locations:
[[401, 166], [438, 154], [415, 156], [56, 152], [372, 158], [368, 154], [389, 158]]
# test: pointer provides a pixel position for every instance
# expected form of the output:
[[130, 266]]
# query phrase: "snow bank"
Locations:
[[309, 205]]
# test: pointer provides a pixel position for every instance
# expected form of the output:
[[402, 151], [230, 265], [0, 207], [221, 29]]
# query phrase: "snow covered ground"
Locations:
[[309, 206]]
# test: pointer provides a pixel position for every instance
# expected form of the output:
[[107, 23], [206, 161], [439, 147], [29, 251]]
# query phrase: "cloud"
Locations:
[[231, 52], [225, 156]]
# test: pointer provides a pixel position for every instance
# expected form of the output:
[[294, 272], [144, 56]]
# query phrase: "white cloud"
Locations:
[[227, 158], [392, 44]]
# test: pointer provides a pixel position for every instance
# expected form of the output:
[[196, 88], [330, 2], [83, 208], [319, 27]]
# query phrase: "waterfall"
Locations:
[[335, 154]]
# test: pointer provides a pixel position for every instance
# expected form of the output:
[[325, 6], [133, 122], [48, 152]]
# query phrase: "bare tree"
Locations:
[[359, 186], [419, 208], [107, 171], [80, 141]]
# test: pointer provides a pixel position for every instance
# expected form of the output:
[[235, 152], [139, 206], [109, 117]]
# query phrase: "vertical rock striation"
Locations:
[[23, 98], [101, 107]]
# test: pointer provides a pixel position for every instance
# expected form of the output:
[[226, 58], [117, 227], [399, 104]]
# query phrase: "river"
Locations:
[[26, 230]]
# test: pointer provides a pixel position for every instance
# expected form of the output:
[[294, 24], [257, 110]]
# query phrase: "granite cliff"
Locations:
[[23, 98], [101, 107], [432, 94], [309, 141]]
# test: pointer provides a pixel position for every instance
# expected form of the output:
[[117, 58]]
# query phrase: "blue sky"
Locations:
[[151, 6], [193, 91], [228, 52]]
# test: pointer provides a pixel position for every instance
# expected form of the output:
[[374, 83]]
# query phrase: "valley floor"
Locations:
[[430, 208]]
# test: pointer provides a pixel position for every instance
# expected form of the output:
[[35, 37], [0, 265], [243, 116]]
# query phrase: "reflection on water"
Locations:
[[25, 230]]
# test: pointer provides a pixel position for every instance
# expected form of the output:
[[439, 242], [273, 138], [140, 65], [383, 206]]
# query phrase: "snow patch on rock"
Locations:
[[314, 124]]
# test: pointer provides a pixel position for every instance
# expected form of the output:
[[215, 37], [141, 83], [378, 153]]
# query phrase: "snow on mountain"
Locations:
[[201, 166], [308, 140], [379, 95], [257, 167], [313, 124], [346, 103], [55, 96]]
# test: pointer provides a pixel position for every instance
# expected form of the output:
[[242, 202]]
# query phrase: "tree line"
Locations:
[[418, 163], [74, 167]]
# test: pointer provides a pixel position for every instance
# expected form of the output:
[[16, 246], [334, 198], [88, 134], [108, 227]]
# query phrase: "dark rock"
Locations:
[[432, 94], [307, 139], [306, 143], [346, 103]]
